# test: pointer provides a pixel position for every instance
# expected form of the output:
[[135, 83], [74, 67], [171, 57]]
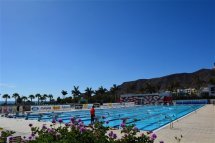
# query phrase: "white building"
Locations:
[[187, 91], [210, 90]]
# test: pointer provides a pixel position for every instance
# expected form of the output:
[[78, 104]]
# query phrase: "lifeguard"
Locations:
[[92, 113]]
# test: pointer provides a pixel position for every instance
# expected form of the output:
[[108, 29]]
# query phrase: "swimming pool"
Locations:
[[147, 118]]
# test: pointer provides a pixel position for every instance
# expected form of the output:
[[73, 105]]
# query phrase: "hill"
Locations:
[[181, 80]]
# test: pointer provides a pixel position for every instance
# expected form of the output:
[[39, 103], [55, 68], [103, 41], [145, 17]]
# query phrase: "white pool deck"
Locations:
[[197, 127]]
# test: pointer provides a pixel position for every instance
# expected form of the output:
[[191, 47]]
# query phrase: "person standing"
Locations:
[[92, 113]]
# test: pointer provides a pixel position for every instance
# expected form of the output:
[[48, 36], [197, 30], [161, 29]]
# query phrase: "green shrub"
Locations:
[[4, 135], [77, 132]]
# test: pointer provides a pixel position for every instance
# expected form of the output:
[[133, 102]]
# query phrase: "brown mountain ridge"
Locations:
[[170, 82]]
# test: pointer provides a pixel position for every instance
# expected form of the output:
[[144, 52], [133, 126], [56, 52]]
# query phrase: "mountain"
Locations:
[[180, 80]]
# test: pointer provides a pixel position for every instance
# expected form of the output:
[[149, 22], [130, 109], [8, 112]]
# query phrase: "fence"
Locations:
[[13, 109], [49, 108], [197, 101]]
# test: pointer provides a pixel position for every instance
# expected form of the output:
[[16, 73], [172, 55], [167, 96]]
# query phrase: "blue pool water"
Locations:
[[146, 118]]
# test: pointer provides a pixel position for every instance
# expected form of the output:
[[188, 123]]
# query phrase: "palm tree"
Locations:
[[89, 92], [31, 97], [15, 96], [75, 92], [114, 90], [64, 93], [45, 97], [42, 98], [50, 96], [6, 96], [24, 98], [38, 96], [100, 93]]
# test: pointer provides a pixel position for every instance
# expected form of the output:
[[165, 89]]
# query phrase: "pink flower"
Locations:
[[82, 129], [114, 136], [53, 121], [33, 134], [60, 120], [72, 120], [122, 125], [11, 138], [50, 130], [79, 120], [153, 136], [44, 127], [110, 134]]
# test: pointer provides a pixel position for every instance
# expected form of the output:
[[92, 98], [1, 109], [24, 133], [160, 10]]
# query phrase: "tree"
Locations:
[[212, 81], [75, 92], [15, 96], [38, 96], [31, 97], [113, 91], [19, 100], [45, 96], [6, 96], [64, 93], [59, 100], [50, 96], [24, 98], [100, 93], [89, 92], [42, 98]]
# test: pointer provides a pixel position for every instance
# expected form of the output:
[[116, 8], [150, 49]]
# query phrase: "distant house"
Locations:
[[151, 98], [187, 91], [209, 90]]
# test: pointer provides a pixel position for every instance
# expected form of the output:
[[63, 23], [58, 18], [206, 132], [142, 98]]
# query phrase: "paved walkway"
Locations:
[[20, 126], [198, 127]]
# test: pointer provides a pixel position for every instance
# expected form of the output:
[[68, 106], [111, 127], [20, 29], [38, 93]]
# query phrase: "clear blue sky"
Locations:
[[47, 46]]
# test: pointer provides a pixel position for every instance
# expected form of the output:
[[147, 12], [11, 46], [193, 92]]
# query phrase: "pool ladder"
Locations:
[[170, 118]]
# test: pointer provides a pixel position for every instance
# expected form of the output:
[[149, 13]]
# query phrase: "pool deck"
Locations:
[[197, 127], [20, 126]]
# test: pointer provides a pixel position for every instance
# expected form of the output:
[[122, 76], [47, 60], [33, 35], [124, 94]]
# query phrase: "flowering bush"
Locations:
[[4, 135], [77, 132]]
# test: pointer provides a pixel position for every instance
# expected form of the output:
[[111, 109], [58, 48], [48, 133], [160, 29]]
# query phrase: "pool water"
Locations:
[[147, 118]]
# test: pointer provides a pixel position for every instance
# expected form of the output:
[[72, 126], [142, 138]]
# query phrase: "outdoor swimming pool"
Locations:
[[146, 118]]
